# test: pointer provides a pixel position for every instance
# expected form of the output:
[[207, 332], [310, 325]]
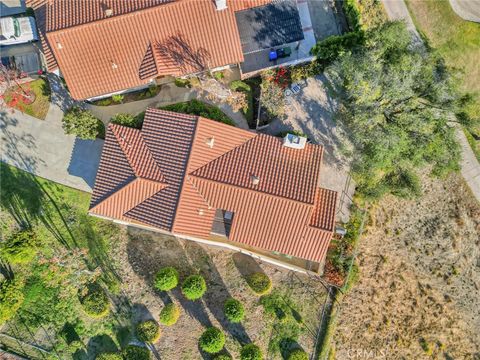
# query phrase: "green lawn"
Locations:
[[458, 41], [72, 249], [39, 108]]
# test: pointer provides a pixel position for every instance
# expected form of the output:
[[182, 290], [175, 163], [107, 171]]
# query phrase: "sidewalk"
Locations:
[[169, 94], [470, 167]]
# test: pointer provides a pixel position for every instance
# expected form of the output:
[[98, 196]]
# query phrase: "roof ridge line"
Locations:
[[110, 18], [255, 191], [114, 193]]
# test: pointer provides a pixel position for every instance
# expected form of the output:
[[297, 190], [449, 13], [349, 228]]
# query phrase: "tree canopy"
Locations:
[[396, 105]]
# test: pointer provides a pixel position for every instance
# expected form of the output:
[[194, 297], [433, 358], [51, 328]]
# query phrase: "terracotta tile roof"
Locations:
[[202, 166], [261, 157], [126, 51]]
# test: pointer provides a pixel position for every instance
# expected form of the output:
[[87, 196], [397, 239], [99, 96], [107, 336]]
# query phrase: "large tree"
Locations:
[[396, 104]]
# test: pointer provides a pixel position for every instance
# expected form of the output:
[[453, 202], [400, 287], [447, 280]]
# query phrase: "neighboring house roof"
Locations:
[[179, 169], [269, 26], [100, 52]]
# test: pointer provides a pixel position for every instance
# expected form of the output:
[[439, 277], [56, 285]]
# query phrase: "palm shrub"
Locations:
[[212, 340], [133, 352], [194, 287], [19, 248], [251, 352], [95, 303], [234, 310], [169, 314], [109, 356], [298, 354], [259, 283], [148, 331], [166, 279]]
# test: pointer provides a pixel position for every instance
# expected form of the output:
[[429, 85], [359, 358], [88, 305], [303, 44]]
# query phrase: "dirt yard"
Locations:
[[418, 296], [143, 253]]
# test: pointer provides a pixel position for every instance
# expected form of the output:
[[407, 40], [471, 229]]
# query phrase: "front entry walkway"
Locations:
[[42, 148]]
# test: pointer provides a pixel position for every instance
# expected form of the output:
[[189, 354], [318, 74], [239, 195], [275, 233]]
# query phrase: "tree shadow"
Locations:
[[287, 345], [100, 344], [246, 265], [217, 292]]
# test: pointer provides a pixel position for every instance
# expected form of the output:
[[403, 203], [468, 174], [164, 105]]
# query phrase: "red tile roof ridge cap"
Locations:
[[311, 205], [117, 17]]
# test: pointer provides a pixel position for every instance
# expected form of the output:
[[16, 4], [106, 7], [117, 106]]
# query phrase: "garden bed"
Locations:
[[40, 90], [129, 97]]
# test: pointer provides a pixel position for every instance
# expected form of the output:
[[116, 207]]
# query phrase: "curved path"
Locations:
[[470, 167], [169, 94], [467, 9]]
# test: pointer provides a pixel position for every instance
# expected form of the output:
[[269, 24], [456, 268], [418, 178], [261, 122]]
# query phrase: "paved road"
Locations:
[[467, 9], [42, 148], [470, 167]]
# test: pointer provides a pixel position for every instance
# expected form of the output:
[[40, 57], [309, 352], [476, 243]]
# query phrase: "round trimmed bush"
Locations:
[[166, 279], [298, 354], [194, 287], [95, 303], [251, 352], [222, 357], [148, 331], [212, 340], [169, 314], [133, 352], [259, 283], [234, 310], [109, 356]]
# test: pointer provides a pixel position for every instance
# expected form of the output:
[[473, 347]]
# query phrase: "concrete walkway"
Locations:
[[470, 167], [42, 148], [467, 9], [169, 94]]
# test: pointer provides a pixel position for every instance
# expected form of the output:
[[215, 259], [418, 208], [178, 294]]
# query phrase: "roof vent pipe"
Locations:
[[108, 12], [221, 4], [255, 179], [210, 142]]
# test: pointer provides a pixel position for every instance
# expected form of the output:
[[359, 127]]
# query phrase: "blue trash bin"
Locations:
[[272, 55]]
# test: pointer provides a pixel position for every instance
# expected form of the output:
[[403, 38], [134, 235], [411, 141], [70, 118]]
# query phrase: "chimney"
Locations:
[[294, 141], [255, 179], [210, 142], [108, 12], [221, 4]]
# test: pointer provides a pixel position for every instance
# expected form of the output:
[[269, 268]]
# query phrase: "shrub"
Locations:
[[196, 107], [327, 50], [222, 357], [11, 298], [127, 120], [166, 279], [239, 85], [194, 287], [109, 356], [95, 303], [212, 340], [148, 331], [234, 310], [19, 248], [298, 354], [82, 123], [251, 352], [169, 314], [182, 82], [118, 98], [132, 352], [259, 283]]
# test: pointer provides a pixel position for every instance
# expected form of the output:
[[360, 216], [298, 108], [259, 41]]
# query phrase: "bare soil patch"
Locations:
[[419, 291], [143, 253]]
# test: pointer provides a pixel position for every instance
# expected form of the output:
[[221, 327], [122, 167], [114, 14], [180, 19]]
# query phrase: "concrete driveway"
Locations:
[[467, 9], [311, 112], [42, 148]]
